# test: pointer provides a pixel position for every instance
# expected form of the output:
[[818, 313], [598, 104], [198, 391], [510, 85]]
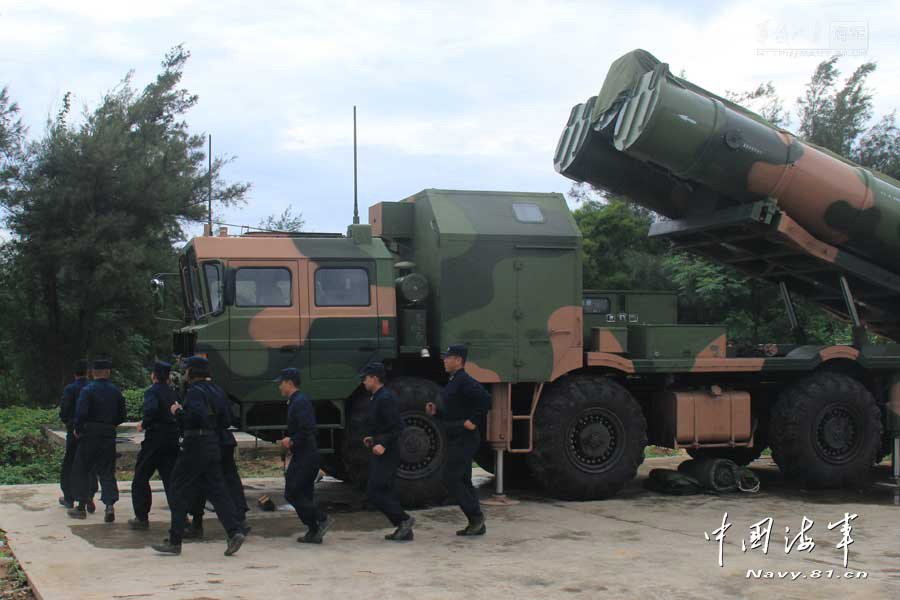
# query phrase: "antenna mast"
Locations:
[[209, 183], [355, 204]]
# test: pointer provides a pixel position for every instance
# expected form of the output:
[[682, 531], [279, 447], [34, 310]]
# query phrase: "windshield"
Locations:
[[191, 280], [213, 285]]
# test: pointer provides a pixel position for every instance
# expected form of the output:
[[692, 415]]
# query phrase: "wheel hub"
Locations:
[[595, 440], [836, 434], [418, 446]]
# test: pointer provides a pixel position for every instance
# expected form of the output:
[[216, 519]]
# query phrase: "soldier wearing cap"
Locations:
[[382, 433], [301, 473], [99, 410], [198, 470], [67, 416], [233, 483], [159, 450], [464, 404]]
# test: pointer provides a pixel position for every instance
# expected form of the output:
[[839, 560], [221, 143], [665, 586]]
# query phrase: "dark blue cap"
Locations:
[[196, 362], [373, 368], [456, 350], [102, 364], [290, 374], [162, 369]]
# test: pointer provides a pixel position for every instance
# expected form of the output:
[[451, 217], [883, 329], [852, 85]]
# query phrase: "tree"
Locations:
[[617, 254], [96, 209], [287, 221], [12, 134]]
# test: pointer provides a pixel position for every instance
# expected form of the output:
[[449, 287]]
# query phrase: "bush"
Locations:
[[134, 401], [26, 455]]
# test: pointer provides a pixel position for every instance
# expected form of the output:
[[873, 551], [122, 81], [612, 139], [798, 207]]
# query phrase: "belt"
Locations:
[[197, 432]]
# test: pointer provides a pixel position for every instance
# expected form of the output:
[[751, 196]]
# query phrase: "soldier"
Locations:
[[159, 450], [383, 428], [99, 410], [198, 470], [233, 483], [67, 416], [303, 469], [464, 404]]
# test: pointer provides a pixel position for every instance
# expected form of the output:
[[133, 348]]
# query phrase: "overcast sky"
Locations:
[[465, 95]]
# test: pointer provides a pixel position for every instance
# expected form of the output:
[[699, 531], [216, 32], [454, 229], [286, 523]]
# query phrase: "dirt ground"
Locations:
[[637, 545]]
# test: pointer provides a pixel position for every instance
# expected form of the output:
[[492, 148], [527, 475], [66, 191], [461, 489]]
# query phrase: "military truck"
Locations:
[[581, 380]]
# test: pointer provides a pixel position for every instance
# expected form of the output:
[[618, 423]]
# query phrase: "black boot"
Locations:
[[404, 532], [476, 527], [167, 547], [91, 507], [316, 537], [234, 543], [78, 512], [141, 524], [109, 515], [66, 503]]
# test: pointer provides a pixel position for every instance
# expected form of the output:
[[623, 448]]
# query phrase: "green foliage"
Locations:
[[617, 252], [26, 455], [134, 400], [12, 390], [286, 221], [94, 210]]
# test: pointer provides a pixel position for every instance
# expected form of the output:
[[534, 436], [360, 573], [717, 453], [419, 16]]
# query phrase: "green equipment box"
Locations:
[[677, 341]]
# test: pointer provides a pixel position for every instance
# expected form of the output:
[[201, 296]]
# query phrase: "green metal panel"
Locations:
[[676, 341], [413, 329], [652, 308]]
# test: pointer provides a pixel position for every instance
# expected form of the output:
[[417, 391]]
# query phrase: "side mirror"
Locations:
[[158, 289], [228, 295]]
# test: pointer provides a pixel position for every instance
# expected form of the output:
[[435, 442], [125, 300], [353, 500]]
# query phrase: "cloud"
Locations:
[[451, 94]]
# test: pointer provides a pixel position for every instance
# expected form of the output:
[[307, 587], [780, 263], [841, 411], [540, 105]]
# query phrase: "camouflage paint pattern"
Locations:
[[508, 288], [730, 156], [247, 346]]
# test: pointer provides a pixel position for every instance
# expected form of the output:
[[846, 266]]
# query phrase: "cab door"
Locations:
[[344, 323], [268, 312]]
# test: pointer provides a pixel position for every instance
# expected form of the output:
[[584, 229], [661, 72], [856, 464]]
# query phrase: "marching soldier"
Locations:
[[198, 470], [233, 483], [99, 410], [159, 450], [67, 416], [383, 429], [464, 404], [303, 469]]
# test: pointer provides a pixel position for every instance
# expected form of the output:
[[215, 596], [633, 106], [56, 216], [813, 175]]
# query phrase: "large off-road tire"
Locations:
[[825, 431], [422, 445], [589, 438], [742, 455]]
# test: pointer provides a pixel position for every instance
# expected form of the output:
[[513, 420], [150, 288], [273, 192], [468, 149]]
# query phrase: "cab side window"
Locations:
[[260, 286], [342, 287]]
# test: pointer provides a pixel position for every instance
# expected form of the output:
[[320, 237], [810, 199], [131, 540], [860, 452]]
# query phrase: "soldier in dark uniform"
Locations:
[[160, 446], [382, 433], [99, 410], [464, 404], [67, 416], [233, 483], [198, 470], [303, 469]]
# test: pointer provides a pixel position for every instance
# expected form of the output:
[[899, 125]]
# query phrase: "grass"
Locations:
[[13, 583]]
